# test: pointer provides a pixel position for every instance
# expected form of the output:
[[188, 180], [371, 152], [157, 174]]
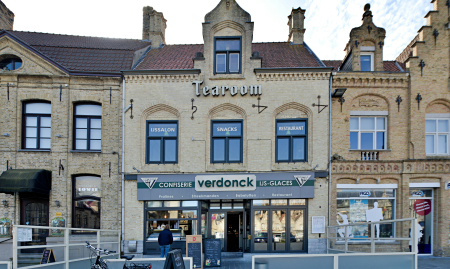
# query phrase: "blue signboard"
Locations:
[[291, 128], [227, 129], [162, 129]]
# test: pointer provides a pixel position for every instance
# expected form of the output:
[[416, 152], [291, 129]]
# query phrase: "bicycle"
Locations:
[[101, 264]]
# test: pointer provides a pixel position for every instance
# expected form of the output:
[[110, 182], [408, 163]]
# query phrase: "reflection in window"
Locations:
[[87, 202], [353, 205], [291, 141], [437, 134], [11, 63], [368, 133], [162, 142], [88, 127], [228, 55], [226, 142], [37, 125]]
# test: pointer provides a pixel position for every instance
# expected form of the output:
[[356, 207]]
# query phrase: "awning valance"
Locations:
[[26, 180]]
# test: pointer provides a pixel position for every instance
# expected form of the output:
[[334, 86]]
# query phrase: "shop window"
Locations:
[[11, 63], [368, 133], [88, 127], [86, 202], [181, 219], [291, 141], [355, 205], [227, 55], [367, 63], [36, 125], [436, 138], [226, 141], [162, 142]]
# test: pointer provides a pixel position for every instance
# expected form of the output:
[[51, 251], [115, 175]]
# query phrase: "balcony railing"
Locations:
[[369, 155]]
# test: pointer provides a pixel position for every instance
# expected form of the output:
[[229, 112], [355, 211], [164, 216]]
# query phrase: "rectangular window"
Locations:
[[86, 202], [226, 142], [359, 206], [436, 137], [227, 55], [37, 125], [162, 142], [368, 133], [88, 127], [366, 61], [291, 141]]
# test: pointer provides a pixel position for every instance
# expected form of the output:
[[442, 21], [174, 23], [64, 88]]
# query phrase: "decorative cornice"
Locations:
[[379, 80], [161, 78], [292, 76], [391, 167]]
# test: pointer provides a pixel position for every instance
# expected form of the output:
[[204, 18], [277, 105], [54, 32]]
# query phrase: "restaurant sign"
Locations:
[[225, 186]]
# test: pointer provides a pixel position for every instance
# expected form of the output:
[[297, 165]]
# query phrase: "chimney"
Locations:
[[6, 17], [154, 26], [296, 26]]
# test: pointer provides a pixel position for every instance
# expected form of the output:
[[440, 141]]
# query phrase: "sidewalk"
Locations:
[[432, 262]]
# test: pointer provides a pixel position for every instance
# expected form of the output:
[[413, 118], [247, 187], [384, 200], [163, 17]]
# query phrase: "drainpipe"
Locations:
[[329, 149], [123, 163]]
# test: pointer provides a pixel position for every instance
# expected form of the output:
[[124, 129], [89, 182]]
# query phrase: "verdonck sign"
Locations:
[[225, 186]]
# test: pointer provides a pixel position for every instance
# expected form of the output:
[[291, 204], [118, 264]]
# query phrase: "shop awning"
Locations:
[[26, 180]]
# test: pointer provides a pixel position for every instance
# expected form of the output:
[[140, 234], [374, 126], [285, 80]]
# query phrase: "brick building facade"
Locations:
[[380, 130]]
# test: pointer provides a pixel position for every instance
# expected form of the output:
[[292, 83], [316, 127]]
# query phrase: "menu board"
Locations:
[[213, 252], [174, 260], [194, 250], [24, 234], [48, 256]]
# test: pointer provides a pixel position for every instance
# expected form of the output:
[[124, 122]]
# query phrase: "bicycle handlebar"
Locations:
[[105, 251]]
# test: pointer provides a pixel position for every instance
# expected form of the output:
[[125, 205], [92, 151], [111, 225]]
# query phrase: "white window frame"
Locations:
[[374, 132], [371, 54], [436, 134]]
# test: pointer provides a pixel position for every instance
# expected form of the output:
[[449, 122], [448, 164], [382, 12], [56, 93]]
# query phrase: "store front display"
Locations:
[[248, 224], [366, 205], [421, 208]]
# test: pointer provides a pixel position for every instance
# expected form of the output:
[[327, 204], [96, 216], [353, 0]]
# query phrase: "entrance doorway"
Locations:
[[421, 208], [229, 228], [34, 212]]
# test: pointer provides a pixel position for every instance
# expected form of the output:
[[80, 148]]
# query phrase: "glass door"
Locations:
[[278, 230], [261, 230], [297, 232], [218, 227], [421, 208]]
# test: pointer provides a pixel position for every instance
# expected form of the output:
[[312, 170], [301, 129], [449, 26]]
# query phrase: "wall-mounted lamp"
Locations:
[[57, 203], [5, 134], [339, 93], [5, 203]]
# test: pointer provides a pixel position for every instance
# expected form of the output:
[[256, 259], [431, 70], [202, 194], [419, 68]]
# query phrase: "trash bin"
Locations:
[[261, 265]]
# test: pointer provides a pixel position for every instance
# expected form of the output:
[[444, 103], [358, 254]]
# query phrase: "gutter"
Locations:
[[123, 163], [329, 151], [162, 72], [292, 70]]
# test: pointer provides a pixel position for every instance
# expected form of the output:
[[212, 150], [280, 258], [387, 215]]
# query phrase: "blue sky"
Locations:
[[328, 22]]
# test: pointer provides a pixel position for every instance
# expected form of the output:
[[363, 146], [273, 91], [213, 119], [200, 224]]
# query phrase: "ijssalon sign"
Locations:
[[221, 90], [227, 186]]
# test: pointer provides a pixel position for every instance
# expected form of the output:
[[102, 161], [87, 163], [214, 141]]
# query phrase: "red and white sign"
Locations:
[[422, 207]]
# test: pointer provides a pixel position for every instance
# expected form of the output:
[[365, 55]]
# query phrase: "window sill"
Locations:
[[386, 150], [227, 76], [38, 150], [85, 151], [438, 156]]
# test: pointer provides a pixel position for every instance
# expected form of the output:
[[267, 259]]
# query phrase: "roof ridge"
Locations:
[[111, 38], [75, 47]]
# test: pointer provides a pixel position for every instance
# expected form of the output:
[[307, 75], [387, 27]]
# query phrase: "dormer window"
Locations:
[[11, 63], [366, 58], [227, 52]]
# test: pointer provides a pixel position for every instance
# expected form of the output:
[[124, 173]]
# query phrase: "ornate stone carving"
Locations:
[[368, 102]]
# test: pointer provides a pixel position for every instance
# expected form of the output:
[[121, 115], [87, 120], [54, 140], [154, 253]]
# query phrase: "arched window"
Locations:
[[36, 125], [86, 202], [88, 127], [11, 63]]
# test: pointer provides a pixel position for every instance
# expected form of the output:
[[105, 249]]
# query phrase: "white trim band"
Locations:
[[425, 185], [367, 186], [437, 115], [367, 48], [369, 113]]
